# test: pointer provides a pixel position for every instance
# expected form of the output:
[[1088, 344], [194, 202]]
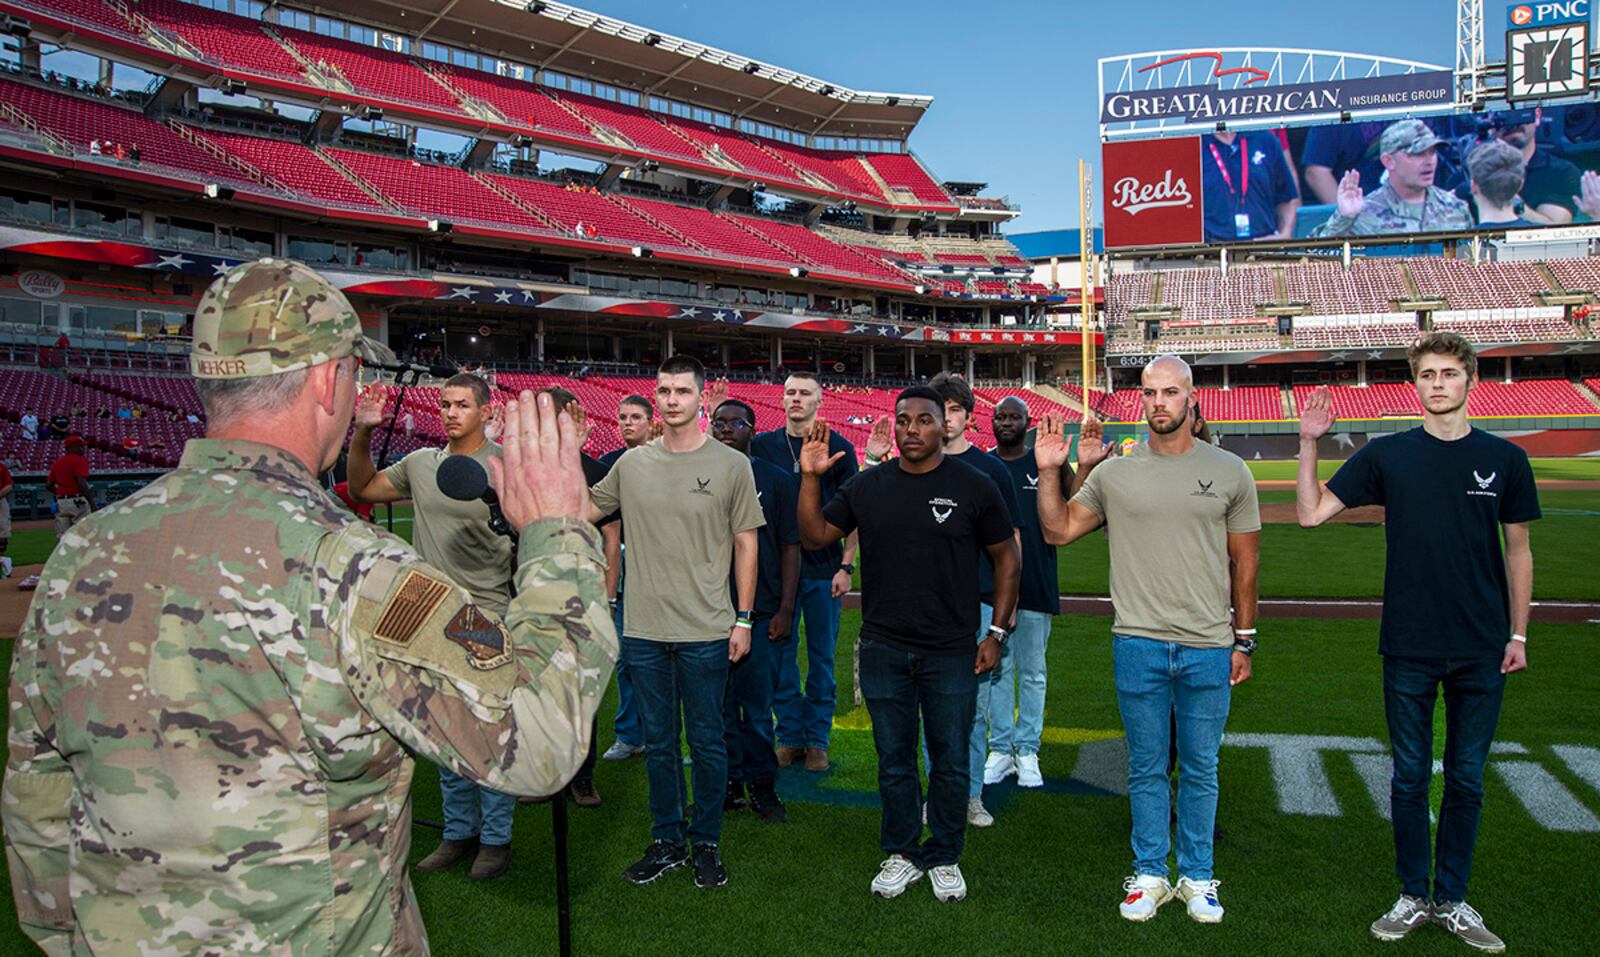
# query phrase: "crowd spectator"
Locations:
[[30, 426], [1498, 172], [1551, 185]]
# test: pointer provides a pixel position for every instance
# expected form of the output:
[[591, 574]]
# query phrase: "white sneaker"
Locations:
[[5, 566], [1407, 914], [1461, 920], [896, 875], [948, 884], [1146, 894], [1028, 775], [1201, 897], [621, 750], [977, 816], [998, 767]]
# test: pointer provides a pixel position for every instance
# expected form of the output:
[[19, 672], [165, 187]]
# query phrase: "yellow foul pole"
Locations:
[[1087, 272]]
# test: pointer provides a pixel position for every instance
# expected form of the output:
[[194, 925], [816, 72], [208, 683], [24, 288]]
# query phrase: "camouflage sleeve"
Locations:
[[506, 703], [34, 803]]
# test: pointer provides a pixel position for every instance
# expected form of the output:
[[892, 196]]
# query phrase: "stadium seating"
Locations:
[[901, 170], [442, 192], [230, 40], [98, 14], [713, 232], [80, 120], [817, 249], [296, 166], [612, 222], [640, 127], [374, 70], [519, 101]]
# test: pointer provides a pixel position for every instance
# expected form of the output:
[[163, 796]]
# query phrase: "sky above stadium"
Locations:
[[1013, 81]]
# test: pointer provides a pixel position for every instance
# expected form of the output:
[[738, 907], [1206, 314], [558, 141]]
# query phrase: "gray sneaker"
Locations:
[[1460, 919], [1407, 914]]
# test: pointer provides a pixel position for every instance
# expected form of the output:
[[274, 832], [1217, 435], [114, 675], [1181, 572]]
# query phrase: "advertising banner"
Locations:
[[1152, 193], [1207, 102]]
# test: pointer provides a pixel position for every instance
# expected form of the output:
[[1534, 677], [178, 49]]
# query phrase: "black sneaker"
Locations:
[[708, 869], [764, 801], [658, 858], [735, 799]]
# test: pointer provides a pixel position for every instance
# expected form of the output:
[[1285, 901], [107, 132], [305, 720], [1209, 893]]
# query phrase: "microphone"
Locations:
[[461, 477], [438, 372]]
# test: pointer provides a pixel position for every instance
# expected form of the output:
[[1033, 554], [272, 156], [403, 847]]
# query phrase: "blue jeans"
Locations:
[[474, 811], [691, 676], [806, 722], [747, 711], [1473, 688], [1155, 680], [978, 734], [1015, 705], [627, 723], [896, 685]]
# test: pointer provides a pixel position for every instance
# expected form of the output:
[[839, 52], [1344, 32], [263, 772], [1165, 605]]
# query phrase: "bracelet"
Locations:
[[875, 460], [744, 623], [1521, 638], [1245, 632]]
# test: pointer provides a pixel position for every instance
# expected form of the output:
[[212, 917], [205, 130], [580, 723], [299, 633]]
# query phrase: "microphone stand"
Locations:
[[388, 431]]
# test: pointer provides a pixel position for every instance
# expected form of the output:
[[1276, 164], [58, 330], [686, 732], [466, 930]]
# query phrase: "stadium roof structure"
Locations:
[[578, 42]]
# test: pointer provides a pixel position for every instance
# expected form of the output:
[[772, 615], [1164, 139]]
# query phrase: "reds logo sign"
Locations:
[[1148, 197]]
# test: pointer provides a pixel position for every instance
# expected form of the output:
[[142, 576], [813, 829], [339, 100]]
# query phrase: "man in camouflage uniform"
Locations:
[[218, 689], [1408, 202]]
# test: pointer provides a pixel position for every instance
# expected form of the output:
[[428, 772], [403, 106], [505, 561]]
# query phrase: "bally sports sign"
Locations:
[[1152, 193]]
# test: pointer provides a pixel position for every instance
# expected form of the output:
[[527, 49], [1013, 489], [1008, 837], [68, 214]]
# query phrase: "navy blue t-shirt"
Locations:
[[1041, 586], [783, 450], [1001, 477], [1260, 181], [779, 495], [1346, 146], [920, 539], [1444, 584]]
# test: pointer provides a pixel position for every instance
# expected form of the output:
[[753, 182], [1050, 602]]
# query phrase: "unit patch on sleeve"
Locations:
[[482, 637]]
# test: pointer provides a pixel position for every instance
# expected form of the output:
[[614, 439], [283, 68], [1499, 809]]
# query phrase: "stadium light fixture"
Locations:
[[799, 272], [217, 191], [1222, 127], [893, 101], [651, 39], [535, 6], [826, 91], [441, 226], [522, 142], [1344, 117], [643, 252], [752, 67]]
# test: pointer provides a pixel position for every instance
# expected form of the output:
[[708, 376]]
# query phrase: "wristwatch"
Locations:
[[1245, 646], [848, 568], [999, 634]]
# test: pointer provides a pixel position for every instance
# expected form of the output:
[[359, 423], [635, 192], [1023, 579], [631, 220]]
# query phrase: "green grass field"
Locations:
[[1046, 878]]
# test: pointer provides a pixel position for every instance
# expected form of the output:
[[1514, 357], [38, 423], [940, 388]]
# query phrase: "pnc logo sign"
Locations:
[[1521, 16], [1152, 192], [1543, 14]]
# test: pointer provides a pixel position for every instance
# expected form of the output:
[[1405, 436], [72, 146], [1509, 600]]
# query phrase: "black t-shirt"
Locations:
[[920, 537], [783, 450], [593, 471], [1551, 180], [1444, 584], [779, 494], [1041, 586], [1001, 477]]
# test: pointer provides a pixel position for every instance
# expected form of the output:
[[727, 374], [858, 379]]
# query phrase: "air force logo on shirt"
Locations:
[[1483, 484], [942, 515], [1033, 483]]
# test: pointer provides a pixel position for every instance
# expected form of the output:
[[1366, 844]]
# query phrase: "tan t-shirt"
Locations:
[[454, 536], [683, 509], [1168, 518]]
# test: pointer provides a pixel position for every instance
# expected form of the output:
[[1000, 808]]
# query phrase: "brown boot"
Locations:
[[788, 756], [583, 793], [447, 855], [816, 759], [492, 861]]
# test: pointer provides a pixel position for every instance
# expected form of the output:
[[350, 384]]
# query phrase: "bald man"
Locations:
[[1184, 531]]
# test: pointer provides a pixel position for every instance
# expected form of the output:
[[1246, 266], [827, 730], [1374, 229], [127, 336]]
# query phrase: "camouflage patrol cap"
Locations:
[[275, 315], [1407, 136]]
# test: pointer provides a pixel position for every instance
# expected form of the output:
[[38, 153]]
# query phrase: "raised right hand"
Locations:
[[1092, 445], [370, 405], [538, 473], [881, 442], [1349, 200], [1050, 443], [814, 457], [1316, 416]]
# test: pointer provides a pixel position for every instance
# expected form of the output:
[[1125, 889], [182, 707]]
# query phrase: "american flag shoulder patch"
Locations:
[[417, 598]]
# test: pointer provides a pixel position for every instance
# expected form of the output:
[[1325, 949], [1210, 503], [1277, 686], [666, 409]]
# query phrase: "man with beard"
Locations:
[[923, 518], [1455, 613], [1551, 185], [1184, 531], [1409, 202], [805, 720], [633, 425], [752, 763], [455, 538]]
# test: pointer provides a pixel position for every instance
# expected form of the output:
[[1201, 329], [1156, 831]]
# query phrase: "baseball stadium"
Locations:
[[550, 198]]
